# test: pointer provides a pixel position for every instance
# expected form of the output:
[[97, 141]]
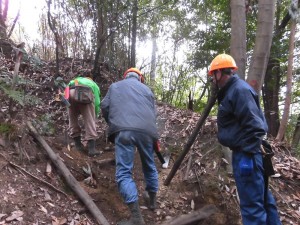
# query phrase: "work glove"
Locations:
[[246, 165]]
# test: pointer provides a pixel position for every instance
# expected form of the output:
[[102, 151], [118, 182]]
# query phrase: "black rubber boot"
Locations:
[[136, 216], [78, 144], [150, 200], [91, 147]]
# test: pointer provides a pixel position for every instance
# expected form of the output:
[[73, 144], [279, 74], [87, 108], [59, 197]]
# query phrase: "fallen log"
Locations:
[[73, 183], [193, 217], [104, 161]]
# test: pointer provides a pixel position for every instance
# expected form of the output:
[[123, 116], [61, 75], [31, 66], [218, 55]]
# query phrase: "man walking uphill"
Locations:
[[241, 127], [85, 100], [129, 110]]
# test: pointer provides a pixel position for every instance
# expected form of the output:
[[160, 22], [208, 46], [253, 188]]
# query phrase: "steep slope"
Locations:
[[32, 190]]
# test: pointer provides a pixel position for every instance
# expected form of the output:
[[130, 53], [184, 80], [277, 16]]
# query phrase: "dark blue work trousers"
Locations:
[[256, 208]]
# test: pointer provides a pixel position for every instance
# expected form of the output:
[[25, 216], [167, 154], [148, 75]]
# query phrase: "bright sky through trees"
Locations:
[[27, 30], [30, 11]]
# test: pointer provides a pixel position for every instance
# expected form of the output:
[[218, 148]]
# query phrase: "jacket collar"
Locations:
[[223, 90]]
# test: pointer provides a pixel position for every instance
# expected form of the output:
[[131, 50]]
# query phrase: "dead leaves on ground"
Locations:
[[18, 216], [288, 167], [14, 216]]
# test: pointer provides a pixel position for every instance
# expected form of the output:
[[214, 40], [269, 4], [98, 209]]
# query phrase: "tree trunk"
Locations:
[[14, 24], [286, 111], [129, 43], [190, 102], [134, 28], [270, 94], [271, 88], [3, 18], [263, 41], [153, 61], [58, 43], [237, 51], [19, 55], [296, 136], [172, 74], [99, 31], [238, 35]]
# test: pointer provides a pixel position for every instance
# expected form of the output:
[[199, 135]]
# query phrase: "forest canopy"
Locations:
[[173, 43]]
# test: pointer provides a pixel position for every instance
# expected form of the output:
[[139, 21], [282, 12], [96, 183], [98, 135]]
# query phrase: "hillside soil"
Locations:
[[33, 190]]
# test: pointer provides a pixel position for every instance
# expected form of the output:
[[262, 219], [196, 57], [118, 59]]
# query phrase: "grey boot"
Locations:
[[150, 199], [78, 144], [91, 147], [136, 216]]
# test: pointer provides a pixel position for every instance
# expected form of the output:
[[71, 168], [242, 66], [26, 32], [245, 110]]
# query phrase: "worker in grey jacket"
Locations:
[[129, 110]]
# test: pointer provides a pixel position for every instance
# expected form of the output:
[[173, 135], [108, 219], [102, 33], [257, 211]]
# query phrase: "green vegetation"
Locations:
[[6, 128], [17, 95], [45, 124]]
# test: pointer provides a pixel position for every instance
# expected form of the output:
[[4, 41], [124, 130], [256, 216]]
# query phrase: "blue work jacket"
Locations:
[[241, 123]]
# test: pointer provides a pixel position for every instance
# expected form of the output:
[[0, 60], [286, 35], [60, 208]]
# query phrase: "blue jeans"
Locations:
[[125, 143], [255, 209]]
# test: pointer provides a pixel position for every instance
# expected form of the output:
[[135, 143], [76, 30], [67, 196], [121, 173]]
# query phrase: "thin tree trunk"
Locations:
[[58, 43], [14, 24], [133, 38], [263, 41], [19, 55], [296, 136], [153, 61], [237, 50], [3, 18], [238, 35], [286, 111], [100, 41], [171, 87], [270, 92], [129, 43]]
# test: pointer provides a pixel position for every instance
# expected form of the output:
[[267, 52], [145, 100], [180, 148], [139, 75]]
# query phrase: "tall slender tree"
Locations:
[[263, 40], [3, 18], [238, 35], [133, 36], [296, 135], [287, 104], [273, 76]]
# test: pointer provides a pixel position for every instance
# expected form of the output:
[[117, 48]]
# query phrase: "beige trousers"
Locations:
[[89, 118]]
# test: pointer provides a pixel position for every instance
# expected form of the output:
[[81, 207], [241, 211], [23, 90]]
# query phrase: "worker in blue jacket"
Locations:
[[241, 127]]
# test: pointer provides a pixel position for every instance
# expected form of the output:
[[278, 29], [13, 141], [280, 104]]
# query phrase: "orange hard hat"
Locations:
[[222, 61], [135, 70]]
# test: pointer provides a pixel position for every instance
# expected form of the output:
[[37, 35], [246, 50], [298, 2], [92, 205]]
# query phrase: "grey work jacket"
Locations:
[[130, 105]]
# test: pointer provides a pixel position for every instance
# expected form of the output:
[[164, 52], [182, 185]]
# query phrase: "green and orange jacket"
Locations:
[[95, 88]]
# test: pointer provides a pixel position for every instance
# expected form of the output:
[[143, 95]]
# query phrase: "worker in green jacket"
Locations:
[[84, 96]]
